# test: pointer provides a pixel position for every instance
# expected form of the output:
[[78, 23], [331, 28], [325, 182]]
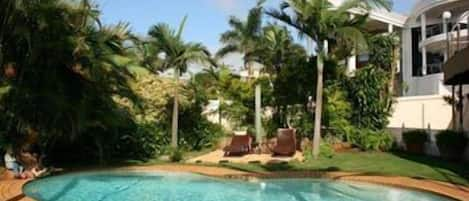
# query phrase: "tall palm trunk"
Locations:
[[174, 125], [319, 98], [318, 111]]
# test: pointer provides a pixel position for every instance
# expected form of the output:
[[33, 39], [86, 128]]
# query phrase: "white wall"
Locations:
[[421, 112]]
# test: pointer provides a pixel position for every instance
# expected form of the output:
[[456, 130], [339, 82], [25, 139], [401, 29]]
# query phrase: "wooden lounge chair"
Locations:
[[240, 145], [286, 143]]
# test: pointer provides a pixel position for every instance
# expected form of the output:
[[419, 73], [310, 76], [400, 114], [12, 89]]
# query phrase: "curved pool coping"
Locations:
[[12, 190]]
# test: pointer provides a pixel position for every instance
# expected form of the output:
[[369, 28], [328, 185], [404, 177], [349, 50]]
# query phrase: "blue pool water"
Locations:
[[162, 186]]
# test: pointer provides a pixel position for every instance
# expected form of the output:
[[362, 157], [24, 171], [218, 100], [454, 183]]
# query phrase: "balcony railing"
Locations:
[[456, 43]]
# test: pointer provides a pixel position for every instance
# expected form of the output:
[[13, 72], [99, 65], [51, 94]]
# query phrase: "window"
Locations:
[[434, 60], [416, 54]]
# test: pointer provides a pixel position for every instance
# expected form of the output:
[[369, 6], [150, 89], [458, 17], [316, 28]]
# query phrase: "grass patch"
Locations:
[[374, 163]]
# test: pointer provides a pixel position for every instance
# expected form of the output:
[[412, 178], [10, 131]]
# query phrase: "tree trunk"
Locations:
[[174, 125], [318, 111], [393, 71], [258, 111], [220, 105]]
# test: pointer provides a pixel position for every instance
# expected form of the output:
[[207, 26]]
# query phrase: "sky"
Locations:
[[207, 19]]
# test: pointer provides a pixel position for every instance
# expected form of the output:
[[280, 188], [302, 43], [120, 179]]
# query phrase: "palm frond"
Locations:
[[181, 27], [230, 36], [227, 49]]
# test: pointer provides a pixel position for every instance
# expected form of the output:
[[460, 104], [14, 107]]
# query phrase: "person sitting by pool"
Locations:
[[12, 164], [31, 160]]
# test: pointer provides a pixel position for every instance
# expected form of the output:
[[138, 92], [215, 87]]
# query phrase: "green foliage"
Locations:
[[318, 20], [451, 143], [418, 136], [368, 94], [195, 131], [147, 141], [308, 153], [301, 119], [64, 88], [338, 112], [381, 50], [370, 140], [243, 36], [326, 150], [176, 155]]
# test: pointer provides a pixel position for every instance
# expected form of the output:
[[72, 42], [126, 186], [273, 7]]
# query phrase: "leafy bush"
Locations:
[[369, 95], [338, 112], [196, 132], [302, 121], [415, 136], [451, 143], [148, 140], [326, 150], [176, 155], [308, 152], [204, 134], [370, 140]]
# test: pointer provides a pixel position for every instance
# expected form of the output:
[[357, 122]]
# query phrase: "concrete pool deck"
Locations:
[[11, 190], [218, 156]]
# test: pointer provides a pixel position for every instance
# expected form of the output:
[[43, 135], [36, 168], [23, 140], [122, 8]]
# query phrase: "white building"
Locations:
[[425, 49], [425, 46]]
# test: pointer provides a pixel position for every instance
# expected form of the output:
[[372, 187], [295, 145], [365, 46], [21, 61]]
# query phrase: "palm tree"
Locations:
[[244, 37], [279, 51], [324, 25], [177, 54], [63, 87]]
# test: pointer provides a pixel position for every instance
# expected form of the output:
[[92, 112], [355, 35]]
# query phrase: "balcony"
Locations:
[[438, 43]]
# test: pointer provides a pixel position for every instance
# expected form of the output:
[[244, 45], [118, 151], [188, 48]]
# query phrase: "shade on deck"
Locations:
[[456, 69]]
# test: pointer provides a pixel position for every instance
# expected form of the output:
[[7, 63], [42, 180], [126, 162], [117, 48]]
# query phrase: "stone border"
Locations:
[[12, 190]]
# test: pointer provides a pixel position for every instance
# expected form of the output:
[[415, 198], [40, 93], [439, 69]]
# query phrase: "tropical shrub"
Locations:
[[338, 112], [451, 143], [308, 153], [368, 94], [419, 136], [195, 131], [415, 140], [176, 155], [370, 140], [197, 134], [326, 150], [64, 88], [380, 48], [302, 120], [146, 141]]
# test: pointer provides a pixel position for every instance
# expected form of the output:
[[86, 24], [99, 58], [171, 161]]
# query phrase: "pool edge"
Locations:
[[452, 191]]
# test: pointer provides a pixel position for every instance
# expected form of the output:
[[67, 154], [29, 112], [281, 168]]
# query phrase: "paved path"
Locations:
[[11, 190], [217, 156]]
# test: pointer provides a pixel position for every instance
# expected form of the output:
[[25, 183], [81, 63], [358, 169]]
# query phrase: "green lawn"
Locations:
[[378, 164]]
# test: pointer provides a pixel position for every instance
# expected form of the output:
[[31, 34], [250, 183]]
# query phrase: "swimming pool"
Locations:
[[166, 186]]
